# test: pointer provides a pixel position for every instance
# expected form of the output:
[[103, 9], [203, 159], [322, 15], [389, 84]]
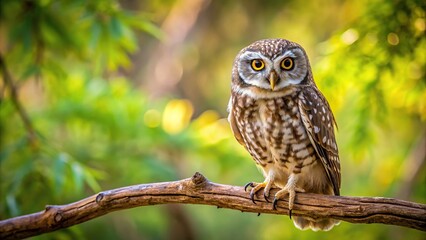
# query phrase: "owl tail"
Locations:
[[325, 224]]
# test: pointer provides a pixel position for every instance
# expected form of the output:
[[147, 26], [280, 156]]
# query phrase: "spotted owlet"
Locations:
[[278, 114]]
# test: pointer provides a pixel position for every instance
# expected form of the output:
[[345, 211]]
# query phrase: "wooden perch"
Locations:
[[198, 190]]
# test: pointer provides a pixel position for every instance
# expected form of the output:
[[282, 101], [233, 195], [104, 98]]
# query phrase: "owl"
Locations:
[[281, 118]]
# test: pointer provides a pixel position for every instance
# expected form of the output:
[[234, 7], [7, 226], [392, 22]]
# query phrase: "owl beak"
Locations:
[[273, 79]]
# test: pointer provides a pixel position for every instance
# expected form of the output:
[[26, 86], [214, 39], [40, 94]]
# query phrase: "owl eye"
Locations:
[[287, 63], [257, 64]]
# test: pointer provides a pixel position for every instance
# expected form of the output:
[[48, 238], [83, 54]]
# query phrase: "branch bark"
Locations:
[[198, 190]]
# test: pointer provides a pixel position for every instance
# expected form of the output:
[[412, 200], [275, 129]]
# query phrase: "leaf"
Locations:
[[77, 173], [90, 179], [59, 173], [95, 31], [26, 168], [62, 31], [150, 28], [115, 26], [12, 205], [141, 22]]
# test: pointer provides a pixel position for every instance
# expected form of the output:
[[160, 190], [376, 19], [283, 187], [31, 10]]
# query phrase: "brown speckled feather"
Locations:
[[233, 124], [319, 123], [278, 114]]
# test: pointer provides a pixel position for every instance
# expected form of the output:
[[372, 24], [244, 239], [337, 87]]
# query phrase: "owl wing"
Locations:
[[233, 123], [319, 122]]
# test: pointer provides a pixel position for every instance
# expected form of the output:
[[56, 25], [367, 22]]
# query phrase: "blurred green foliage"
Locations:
[[91, 78]]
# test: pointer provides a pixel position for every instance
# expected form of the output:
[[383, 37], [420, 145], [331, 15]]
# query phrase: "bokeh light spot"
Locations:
[[152, 118], [349, 36], [177, 115], [393, 39]]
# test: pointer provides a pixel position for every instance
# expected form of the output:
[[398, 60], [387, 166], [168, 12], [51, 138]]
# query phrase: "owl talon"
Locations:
[[274, 204], [252, 193], [250, 184], [291, 190], [266, 196], [274, 207], [256, 187]]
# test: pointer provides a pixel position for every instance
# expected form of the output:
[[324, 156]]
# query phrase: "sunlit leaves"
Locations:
[[98, 32], [374, 71], [373, 74], [66, 44]]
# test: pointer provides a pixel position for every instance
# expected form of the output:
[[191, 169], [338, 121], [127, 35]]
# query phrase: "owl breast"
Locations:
[[274, 135]]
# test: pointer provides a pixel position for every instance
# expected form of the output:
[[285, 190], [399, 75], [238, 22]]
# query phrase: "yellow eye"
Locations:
[[257, 64], [287, 63]]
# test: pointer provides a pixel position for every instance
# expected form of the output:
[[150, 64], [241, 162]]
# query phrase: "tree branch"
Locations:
[[198, 190]]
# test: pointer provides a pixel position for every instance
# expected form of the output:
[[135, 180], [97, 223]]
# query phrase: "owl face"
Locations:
[[271, 65]]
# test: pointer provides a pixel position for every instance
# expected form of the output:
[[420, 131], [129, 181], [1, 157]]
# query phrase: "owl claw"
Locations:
[[257, 187], [274, 204], [250, 184], [274, 207], [266, 196], [252, 193], [291, 191]]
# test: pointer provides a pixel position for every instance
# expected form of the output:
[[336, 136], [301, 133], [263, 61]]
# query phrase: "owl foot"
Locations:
[[291, 189], [256, 187]]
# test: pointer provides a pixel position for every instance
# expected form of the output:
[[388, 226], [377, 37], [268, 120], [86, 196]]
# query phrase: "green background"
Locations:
[[129, 92]]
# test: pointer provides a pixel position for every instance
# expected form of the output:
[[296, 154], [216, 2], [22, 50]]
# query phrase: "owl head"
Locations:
[[269, 67]]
